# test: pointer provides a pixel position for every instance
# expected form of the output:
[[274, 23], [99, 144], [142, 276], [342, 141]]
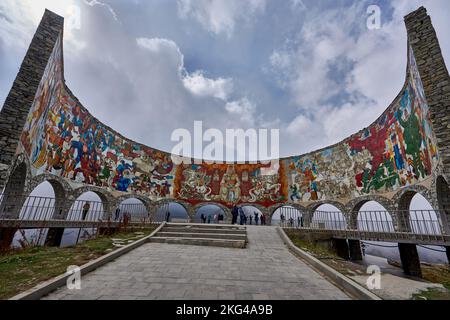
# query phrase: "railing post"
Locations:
[[410, 259], [54, 237], [447, 251], [341, 248], [355, 250], [6, 238]]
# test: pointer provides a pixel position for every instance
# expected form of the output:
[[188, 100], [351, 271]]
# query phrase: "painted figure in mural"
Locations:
[[230, 191], [196, 184], [412, 136], [294, 192]]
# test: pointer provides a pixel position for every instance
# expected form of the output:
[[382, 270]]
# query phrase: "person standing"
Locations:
[[241, 215], [256, 218], [251, 219], [117, 214], [234, 213], [209, 218], [168, 216], [86, 208], [202, 218]]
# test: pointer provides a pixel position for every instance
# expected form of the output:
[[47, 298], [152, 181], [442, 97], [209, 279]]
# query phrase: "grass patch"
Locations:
[[437, 274], [318, 251], [23, 269], [432, 294]]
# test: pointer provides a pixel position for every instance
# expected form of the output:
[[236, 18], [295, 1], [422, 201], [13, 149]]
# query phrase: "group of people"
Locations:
[[245, 219], [291, 221], [217, 218]]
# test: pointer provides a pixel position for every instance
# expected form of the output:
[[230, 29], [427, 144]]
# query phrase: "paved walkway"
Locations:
[[264, 270]]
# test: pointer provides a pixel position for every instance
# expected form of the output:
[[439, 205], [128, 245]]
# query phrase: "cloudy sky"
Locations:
[[309, 68]]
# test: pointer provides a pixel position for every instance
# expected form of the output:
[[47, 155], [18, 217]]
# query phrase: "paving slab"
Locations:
[[265, 270]]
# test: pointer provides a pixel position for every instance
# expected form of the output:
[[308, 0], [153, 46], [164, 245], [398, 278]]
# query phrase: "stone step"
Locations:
[[200, 241], [203, 230], [206, 225], [227, 236]]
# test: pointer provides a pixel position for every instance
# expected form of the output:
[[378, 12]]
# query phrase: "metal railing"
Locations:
[[134, 212], [41, 208], [413, 221], [86, 210], [423, 224]]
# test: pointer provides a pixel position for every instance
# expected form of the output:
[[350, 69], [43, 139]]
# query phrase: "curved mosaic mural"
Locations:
[[398, 150], [62, 138]]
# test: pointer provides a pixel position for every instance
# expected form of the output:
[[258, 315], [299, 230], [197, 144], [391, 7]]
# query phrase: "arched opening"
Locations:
[[443, 197], [133, 208], [39, 205], [372, 216], [288, 216], [424, 220], [210, 213], [89, 206], [172, 212], [328, 216], [253, 216], [13, 194], [422, 217]]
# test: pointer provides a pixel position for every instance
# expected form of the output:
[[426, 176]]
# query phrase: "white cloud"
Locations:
[[310, 68], [242, 108], [196, 82], [102, 4], [158, 44], [219, 16], [202, 86]]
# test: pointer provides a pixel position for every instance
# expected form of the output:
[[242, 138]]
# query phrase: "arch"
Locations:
[[328, 219], [142, 209], [221, 206], [11, 200], [40, 203], [186, 205], [59, 184], [373, 216], [313, 207], [403, 200], [422, 216], [162, 207], [443, 199], [61, 189], [353, 207], [100, 210], [138, 208], [199, 208], [275, 207], [293, 216], [262, 212]]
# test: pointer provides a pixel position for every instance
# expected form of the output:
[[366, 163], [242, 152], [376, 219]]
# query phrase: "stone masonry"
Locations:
[[435, 78], [18, 102]]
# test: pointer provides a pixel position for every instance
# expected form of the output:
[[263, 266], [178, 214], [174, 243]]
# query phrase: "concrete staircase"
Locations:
[[219, 235]]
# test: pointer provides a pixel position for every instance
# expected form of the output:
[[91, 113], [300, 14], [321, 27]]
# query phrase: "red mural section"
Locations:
[[228, 184]]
